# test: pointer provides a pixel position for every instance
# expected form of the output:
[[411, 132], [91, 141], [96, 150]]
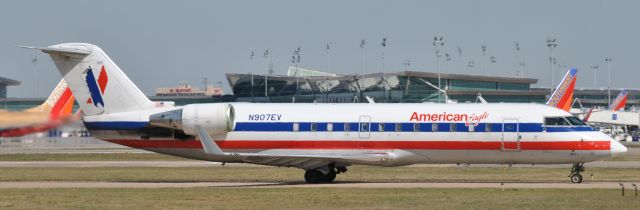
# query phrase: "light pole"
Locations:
[[267, 55], [362, 44], [608, 61], [438, 43], [460, 58], [484, 54], [406, 64], [205, 82], [328, 51], [252, 83], [447, 58], [384, 45], [295, 59], [522, 64], [595, 77], [34, 61], [551, 44], [518, 71], [492, 60]]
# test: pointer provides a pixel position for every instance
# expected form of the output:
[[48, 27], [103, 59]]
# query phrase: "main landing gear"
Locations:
[[575, 173], [323, 175]]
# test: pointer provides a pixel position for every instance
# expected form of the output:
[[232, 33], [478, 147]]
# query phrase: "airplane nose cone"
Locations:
[[617, 148]]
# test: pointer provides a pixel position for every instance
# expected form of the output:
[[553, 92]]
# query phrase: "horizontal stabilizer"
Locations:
[[56, 50]]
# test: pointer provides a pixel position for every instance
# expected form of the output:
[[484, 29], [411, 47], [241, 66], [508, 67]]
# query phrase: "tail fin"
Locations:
[[98, 84], [562, 97], [620, 102], [59, 104]]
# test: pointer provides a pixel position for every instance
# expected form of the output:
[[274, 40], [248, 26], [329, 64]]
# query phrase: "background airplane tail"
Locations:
[[620, 102], [59, 104], [97, 83], [562, 97]]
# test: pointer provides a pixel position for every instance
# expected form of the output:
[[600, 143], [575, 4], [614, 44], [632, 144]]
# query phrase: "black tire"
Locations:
[[314, 176], [329, 177], [576, 178]]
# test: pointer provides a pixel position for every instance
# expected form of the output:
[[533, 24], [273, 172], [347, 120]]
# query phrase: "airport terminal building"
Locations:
[[4, 82], [305, 86], [396, 87], [308, 86]]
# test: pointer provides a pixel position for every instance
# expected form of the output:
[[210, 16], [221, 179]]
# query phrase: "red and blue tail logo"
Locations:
[[563, 96], [620, 102], [96, 87]]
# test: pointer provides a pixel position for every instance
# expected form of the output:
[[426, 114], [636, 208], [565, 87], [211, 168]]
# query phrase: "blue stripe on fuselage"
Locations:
[[355, 127]]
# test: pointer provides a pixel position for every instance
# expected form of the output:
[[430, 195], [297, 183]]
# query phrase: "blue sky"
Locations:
[[159, 43]]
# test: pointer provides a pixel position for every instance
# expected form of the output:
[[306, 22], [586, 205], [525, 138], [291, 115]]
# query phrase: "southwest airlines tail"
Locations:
[[59, 104], [98, 84], [55, 111], [620, 102], [562, 97]]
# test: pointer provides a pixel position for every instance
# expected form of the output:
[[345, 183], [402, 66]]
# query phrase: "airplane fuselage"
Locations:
[[413, 133]]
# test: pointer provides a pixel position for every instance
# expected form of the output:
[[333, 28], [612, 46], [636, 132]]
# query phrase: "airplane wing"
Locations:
[[298, 160]]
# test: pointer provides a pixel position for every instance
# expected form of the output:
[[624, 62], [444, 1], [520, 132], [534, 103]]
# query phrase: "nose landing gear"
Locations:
[[575, 173]]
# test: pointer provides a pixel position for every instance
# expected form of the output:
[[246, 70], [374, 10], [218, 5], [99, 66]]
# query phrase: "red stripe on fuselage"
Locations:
[[320, 144]]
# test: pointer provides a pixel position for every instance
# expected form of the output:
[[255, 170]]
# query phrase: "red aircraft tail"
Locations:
[[562, 97]]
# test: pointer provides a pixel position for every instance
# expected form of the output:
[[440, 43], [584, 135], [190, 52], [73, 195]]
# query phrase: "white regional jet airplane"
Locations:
[[323, 139]]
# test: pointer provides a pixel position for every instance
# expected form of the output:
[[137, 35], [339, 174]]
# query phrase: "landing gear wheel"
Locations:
[[329, 177], [576, 178], [575, 173], [314, 176]]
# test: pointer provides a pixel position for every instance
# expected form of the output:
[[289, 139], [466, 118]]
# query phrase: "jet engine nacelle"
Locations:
[[214, 118]]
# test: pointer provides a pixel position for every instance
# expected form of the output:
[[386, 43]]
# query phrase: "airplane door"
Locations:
[[364, 126], [510, 135]]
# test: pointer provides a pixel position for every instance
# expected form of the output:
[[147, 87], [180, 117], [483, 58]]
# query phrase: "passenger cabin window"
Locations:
[[434, 127], [398, 127], [364, 127], [453, 127], [296, 126], [556, 121], [416, 127], [314, 126], [488, 127], [381, 127], [472, 128], [346, 127], [329, 126]]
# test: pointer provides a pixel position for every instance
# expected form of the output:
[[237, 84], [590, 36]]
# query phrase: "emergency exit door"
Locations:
[[510, 135]]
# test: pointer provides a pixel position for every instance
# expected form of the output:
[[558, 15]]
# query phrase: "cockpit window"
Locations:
[[563, 121], [575, 121], [556, 121]]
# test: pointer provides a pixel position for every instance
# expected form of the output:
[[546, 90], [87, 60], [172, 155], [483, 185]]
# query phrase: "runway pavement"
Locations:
[[195, 163], [496, 185]]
